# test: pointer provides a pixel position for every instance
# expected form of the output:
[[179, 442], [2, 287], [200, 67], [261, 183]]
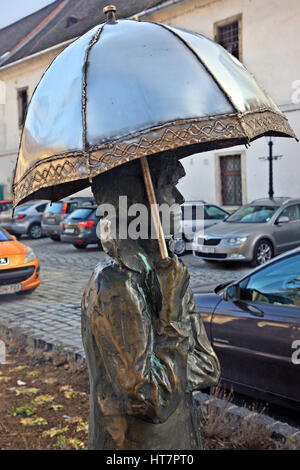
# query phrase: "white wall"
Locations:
[[193, 186], [270, 36], [200, 179], [7, 165], [271, 51], [24, 75], [286, 171]]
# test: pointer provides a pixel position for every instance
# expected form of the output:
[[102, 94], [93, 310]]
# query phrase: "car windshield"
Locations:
[[23, 208], [252, 214], [80, 214], [4, 236], [54, 208], [5, 206]]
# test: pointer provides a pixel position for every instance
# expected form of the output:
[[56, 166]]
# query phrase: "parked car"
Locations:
[[26, 219], [253, 324], [19, 267], [79, 228], [196, 216], [255, 232], [56, 212], [5, 205]]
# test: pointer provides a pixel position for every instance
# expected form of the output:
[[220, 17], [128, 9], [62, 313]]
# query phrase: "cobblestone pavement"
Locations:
[[52, 312]]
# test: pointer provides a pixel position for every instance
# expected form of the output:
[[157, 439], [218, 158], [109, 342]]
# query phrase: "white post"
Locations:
[[2, 352]]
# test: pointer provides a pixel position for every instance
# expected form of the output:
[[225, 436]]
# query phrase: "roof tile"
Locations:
[[52, 24]]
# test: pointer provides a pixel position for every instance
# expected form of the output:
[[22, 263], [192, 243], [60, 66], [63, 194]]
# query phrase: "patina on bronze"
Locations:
[[145, 342]]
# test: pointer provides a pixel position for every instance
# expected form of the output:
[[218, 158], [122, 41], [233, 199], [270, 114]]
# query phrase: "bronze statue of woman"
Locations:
[[145, 342]]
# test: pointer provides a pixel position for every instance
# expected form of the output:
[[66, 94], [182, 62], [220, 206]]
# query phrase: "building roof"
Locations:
[[11, 35], [60, 21]]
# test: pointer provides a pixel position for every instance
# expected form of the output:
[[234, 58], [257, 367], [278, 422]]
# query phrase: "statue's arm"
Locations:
[[147, 371], [203, 365]]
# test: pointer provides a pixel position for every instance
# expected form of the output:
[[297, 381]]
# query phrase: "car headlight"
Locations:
[[236, 241], [30, 255]]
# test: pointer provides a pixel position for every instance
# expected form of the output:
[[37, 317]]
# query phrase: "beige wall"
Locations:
[[270, 36], [271, 52], [24, 75], [27, 74]]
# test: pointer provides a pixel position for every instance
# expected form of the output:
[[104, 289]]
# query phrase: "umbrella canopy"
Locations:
[[129, 89]]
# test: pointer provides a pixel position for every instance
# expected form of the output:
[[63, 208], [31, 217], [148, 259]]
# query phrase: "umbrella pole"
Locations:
[[154, 208]]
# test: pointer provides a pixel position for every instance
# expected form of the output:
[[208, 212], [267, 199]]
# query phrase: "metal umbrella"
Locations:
[[127, 90]]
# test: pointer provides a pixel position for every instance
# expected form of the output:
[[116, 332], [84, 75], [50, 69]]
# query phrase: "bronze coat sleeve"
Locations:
[[147, 371]]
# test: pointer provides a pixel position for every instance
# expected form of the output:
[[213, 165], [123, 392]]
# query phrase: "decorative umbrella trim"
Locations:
[[262, 121], [73, 166]]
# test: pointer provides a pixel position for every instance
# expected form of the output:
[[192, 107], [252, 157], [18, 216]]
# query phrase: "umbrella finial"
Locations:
[[110, 12]]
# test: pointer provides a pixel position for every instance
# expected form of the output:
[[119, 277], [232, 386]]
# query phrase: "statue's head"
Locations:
[[123, 188]]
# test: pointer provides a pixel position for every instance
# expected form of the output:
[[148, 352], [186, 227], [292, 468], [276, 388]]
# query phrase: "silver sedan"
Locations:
[[26, 219], [255, 232]]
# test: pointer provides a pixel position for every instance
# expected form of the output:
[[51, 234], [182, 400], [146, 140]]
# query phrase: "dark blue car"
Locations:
[[79, 228]]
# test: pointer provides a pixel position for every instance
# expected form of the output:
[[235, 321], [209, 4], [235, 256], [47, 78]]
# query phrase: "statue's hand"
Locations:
[[173, 278]]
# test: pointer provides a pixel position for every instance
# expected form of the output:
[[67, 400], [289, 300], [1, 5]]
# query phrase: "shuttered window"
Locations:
[[231, 181], [228, 37]]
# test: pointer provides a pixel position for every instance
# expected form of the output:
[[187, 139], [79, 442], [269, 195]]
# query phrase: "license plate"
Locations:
[[69, 230], [51, 220], [206, 249], [10, 289]]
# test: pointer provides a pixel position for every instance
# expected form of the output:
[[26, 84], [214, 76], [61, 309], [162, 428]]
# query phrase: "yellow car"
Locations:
[[19, 266]]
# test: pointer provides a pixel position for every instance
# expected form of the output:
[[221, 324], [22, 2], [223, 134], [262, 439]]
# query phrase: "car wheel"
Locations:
[[35, 231], [55, 238], [79, 246], [179, 246], [263, 252]]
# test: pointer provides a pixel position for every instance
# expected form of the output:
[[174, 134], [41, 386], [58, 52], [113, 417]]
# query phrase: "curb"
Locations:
[[34, 342], [234, 416]]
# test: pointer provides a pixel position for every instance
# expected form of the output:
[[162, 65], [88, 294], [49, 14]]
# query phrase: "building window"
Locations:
[[22, 105], [228, 34], [231, 180]]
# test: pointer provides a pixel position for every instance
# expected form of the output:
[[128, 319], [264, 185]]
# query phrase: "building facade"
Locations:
[[27, 48], [262, 34]]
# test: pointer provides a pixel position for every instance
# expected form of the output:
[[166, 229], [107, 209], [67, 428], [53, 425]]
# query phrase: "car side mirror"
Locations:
[[283, 220], [231, 293]]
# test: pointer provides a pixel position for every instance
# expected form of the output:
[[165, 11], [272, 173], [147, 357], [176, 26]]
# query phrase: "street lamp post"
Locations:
[[270, 159], [271, 190]]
